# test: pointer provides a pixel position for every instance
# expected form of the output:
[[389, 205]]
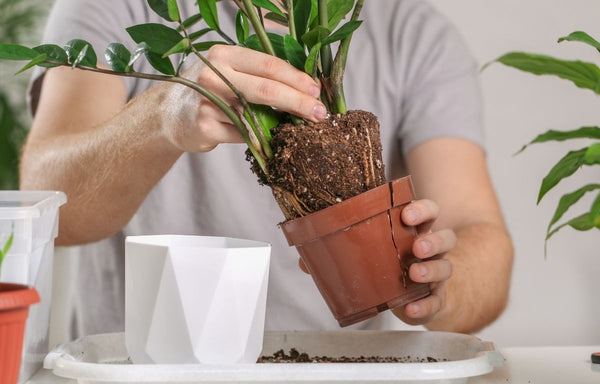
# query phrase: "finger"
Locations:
[[279, 95], [260, 64], [303, 266], [435, 243], [421, 214], [426, 308], [214, 132], [208, 110], [430, 271]]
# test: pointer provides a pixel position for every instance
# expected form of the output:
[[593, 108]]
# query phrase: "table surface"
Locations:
[[527, 365]]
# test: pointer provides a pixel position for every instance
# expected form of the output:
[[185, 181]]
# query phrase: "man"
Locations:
[[161, 163]]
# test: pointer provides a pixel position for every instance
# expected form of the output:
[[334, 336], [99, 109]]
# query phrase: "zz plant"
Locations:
[[313, 25], [587, 76]]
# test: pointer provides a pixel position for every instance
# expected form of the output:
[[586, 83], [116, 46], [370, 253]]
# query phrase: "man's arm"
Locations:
[[452, 172], [107, 156]]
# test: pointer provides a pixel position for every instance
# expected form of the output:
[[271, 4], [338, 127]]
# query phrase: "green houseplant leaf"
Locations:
[[161, 64], [167, 9], [80, 52], [279, 19], [118, 57], [190, 22], [581, 37], [16, 52], [564, 168], [302, 16], [579, 223], [342, 32], [139, 50], [568, 200], [581, 133], [36, 61], [592, 155], [276, 40], [158, 37], [266, 4], [582, 74], [54, 53], [242, 27], [208, 9], [294, 52], [6, 248]]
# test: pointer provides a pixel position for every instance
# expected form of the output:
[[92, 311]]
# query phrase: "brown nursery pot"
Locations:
[[15, 300], [358, 252]]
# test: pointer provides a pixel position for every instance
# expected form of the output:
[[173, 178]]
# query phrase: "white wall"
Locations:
[[554, 301]]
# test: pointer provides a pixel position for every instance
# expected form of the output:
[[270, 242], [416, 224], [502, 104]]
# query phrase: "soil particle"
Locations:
[[320, 164], [297, 357]]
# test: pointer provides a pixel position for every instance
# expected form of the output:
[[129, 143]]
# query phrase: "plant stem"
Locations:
[[291, 20], [258, 28], [339, 66], [326, 56]]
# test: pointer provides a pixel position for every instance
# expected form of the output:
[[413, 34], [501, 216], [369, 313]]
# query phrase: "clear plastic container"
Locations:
[[32, 218]]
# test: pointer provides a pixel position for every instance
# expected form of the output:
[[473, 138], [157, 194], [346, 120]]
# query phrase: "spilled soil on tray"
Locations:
[[297, 357]]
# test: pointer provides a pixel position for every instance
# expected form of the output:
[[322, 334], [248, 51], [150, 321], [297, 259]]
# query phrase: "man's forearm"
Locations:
[[477, 292], [106, 171]]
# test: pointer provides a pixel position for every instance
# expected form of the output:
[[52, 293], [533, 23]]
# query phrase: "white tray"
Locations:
[[103, 359]]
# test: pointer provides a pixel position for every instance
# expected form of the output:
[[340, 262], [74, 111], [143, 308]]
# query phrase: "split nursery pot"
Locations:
[[195, 299], [15, 300], [358, 252]]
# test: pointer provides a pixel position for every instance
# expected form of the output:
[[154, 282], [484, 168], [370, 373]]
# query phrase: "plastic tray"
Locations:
[[103, 359]]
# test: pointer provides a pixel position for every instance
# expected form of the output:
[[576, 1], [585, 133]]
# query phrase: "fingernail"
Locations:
[[422, 270], [315, 91], [425, 247], [415, 309], [320, 112], [411, 215]]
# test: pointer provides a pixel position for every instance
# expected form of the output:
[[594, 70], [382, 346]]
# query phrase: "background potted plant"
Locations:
[[310, 170], [15, 300], [584, 75]]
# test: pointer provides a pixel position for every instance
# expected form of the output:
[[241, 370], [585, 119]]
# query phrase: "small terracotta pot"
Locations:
[[15, 300], [358, 252]]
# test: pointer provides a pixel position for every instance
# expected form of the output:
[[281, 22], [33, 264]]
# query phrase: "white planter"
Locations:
[[32, 218], [192, 299]]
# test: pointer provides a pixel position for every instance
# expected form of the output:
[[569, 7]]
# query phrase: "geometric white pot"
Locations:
[[195, 299]]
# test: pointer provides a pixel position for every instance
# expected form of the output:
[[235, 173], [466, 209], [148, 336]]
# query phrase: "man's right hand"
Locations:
[[194, 124]]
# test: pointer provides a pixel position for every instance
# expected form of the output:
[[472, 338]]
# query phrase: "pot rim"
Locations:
[[348, 212], [15, 296]]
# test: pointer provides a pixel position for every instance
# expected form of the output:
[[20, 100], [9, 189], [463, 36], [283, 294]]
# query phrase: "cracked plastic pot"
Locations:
[[358, 252]]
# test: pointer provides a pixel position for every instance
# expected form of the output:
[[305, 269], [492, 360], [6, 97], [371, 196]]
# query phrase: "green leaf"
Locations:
[[182, 46], [36, 61], [581, 37], [253, 42], [582, 74], [309, 65], [167, 9], [74, 49], [16, 52], [595, 211], [266, 4], [344, 31], [139, 50], [198, 34], [294, 52], [564, 168], [581, 133], [206, 45], [302, 14], [315, 35], [208, 9], [190, 22], [161, 64], [54, 53], [242, 27], [281, 20], [158, 37], [568, 200], [579, 223], [337, 10], [267, 118], [118, 57], [6, 248], [592, 155]]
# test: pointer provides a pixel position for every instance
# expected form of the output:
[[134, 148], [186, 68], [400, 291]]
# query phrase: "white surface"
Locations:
[[32, 218], [543, 365], [195, 299], [96, 359], [552, 301]]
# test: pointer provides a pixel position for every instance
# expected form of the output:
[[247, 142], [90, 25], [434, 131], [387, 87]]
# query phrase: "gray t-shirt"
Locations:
[[407, 65]]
